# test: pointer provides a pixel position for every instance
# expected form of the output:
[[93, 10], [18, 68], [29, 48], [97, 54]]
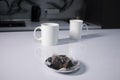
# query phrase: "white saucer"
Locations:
[[63, 70]]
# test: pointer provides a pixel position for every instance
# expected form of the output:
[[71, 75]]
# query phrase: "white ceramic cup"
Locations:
[[76, 27], [49, 34]]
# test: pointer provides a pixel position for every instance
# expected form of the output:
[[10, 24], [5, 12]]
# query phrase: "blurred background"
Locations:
[[101, 13]]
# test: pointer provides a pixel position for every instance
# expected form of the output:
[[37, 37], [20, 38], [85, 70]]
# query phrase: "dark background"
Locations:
[[103, 12]]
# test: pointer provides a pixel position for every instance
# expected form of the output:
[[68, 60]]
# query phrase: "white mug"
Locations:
[[76, 27], [49, 34]]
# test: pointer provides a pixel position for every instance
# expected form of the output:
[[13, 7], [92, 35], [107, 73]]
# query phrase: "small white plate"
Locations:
[[63, 70]]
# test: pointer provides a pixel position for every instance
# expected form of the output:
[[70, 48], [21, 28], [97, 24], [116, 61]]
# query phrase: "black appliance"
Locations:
[[35, 13]]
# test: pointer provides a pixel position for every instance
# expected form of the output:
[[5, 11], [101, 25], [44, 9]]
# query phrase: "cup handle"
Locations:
[[85, 26], [34, 33]]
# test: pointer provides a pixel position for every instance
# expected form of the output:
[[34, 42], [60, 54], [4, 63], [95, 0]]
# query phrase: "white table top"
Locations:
[[22, 58]]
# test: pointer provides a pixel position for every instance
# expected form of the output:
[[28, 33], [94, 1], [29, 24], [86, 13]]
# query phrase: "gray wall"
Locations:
[[25, 13]]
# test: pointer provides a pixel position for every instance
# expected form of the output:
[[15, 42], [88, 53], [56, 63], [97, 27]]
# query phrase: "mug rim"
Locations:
[[50, 24], [76, 20]]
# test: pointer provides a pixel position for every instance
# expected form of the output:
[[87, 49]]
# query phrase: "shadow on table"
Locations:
[[66, 41], [84, 37], [82, 70], [91, 36]]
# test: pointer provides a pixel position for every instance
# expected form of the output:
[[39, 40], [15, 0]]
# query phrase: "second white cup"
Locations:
[[49, 34], [76, 27]]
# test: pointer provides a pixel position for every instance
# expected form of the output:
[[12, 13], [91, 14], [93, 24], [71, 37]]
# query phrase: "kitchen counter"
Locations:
[[22, 57], [30, 26]]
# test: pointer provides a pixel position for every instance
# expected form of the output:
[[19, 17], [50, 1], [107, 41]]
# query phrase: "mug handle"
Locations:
[[85, 26], [34, 33]]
